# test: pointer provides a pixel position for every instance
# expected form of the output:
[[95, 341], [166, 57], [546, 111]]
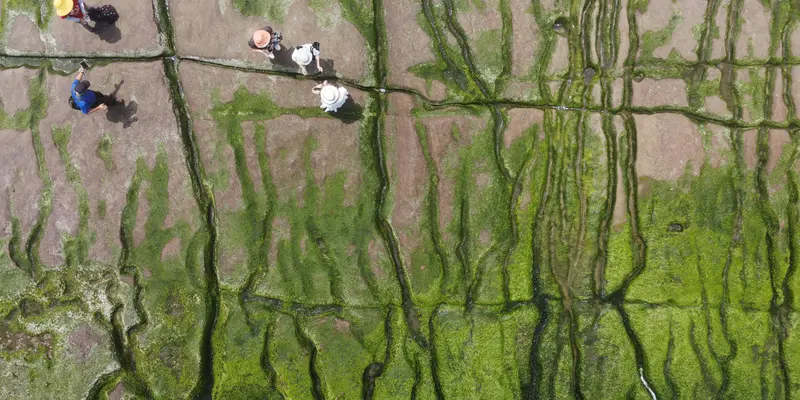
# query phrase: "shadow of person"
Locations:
[[349, 112], [116, 89], [328, 70], [124, 113], [107, 32], [283, 57]]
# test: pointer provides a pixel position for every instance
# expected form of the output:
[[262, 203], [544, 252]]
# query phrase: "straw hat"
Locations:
[[261, 38], [302, 55], [63, 7]]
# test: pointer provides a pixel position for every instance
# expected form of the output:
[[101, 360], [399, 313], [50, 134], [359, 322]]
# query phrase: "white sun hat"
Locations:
[[302, 56], [332, 97]]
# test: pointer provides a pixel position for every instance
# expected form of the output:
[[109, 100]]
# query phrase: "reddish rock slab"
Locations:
[[285, 135], [215, 29], [406, 163], [335, 151], [620, 215], [719, 151], [795, 40], [202, 82], [683, 41], [526, 37], [776, 141], [20, 184], [134, 34], [665, 144], [83, 340], [779, 108], [141, 128], [520, 120], [559, 61], [796, 90], [754, 33], [624, 44], [14, 84], [663, 92], [442, 144], [721, 22], [408, 45]]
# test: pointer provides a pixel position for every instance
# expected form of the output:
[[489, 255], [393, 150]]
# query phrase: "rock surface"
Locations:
[[521, 199]]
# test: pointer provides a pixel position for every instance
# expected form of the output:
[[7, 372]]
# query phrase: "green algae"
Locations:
[[652, 40], [76, 248], [240, 368], [328, 237], [463, 348], [40, 13], [104, 151], [607, 359], [274, 10]]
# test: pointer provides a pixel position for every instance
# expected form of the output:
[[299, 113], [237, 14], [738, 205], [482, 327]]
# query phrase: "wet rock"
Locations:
[[30, 307], [675, 228], [561, 26], [588, 74]]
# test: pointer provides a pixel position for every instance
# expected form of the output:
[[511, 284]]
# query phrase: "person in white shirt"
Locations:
[[332, 97], [303, 55]]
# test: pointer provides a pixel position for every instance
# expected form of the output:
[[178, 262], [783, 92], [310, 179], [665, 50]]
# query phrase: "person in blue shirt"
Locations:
[[88, 101]]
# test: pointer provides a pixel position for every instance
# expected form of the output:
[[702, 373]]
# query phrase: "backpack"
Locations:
[[72, 104], [106, 13]]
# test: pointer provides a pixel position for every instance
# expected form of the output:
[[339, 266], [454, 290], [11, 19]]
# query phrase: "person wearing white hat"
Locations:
[[265, 41], [332, 97], [303, 55]]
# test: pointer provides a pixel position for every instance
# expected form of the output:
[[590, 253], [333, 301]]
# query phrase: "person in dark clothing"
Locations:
[[89, 101], [265, 41]]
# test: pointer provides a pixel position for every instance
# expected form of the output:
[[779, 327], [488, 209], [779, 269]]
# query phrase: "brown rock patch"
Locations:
[[155, 129], [406, 163], [341, 325], [135, 33], [408, 46], [172, 249], [117, 393], [442, 145], [526, 37], [520, 119], [754, 30], [24, 36], [227, 32], [715, 105], [82, 340], [14, 84], [683, 41], [777, 139], [666, 143], [19, 181], [721, 22], [779, 108], [720, 146], [664, 92]]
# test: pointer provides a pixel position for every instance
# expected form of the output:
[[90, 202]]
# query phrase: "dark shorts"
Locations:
[[103, 99]]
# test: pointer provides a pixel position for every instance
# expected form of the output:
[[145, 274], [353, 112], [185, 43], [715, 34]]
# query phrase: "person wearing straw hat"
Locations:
[[72, 10], [265, 41], [332, 97], [303, 55]]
